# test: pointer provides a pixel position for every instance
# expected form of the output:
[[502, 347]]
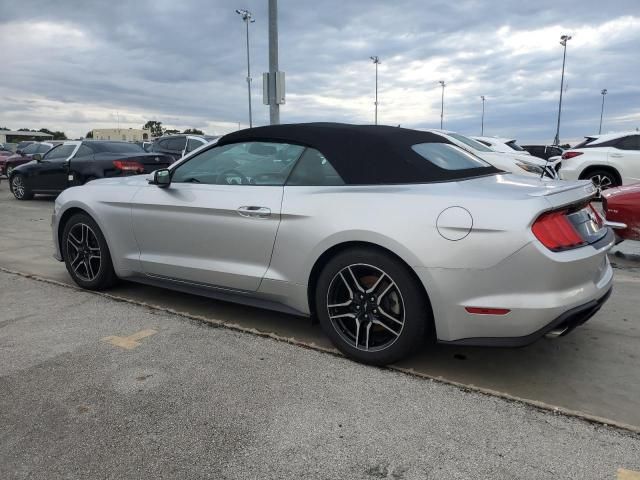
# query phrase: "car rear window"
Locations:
[[514, 146], [476, 145], [448, 157], [585, 142]]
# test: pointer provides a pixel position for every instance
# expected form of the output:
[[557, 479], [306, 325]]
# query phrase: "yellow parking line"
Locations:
[[624, 474], [130, 342]]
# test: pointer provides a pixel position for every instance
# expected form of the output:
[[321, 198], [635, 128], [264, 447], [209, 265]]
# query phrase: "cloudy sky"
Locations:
[[77, 65]]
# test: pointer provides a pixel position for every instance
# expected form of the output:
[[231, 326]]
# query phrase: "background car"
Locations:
[[503, 145], [386, 235], [544, 151], [179, 145], [25, 156], [607, 160], [622, 205], [508, 162], [77, 162]]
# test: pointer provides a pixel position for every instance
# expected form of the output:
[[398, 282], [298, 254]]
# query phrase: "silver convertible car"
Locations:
[[387, 236]]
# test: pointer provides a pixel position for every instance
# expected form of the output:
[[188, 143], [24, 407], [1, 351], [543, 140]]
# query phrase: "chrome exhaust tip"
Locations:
[[556, 332]]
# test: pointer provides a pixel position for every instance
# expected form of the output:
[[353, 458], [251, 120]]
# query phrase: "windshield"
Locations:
[[514, 146], [470, 142], [447, 156]]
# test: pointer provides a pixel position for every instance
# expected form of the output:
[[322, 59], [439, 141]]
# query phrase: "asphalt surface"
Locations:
[[595, 370], [80, 397]]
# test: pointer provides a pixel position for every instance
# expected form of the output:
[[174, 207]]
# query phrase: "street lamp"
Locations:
[[377, 62], [442, 84], [247, 18], [563, 41], [482, 121], [603, 93]]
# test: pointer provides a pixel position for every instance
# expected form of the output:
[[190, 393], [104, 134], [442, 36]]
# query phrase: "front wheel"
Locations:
[[20, 188], [371, 306], [86, 254]]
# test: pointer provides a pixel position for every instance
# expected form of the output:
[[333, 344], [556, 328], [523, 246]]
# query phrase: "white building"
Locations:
[[126, 134]]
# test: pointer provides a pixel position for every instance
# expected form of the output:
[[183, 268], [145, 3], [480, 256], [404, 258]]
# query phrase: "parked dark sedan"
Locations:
[[77, 162], [24, 156]]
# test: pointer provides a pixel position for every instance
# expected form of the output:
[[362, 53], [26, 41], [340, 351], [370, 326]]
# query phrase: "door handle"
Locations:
[[254, 212]]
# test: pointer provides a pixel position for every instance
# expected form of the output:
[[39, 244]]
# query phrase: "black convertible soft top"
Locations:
[[363, 154]]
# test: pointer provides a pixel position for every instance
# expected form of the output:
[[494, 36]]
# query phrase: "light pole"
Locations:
[[247, 18], [443, 84], [377, 62], [603, 93], [563, 41], [482, 121], [274, 106]]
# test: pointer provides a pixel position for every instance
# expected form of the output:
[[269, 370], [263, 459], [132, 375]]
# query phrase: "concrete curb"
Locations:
[[594, 419]]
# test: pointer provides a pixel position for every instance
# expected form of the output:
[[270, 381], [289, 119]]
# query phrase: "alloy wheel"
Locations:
[[365, 307], [9, 170], [84, 252], [17, 186], [601, 182]]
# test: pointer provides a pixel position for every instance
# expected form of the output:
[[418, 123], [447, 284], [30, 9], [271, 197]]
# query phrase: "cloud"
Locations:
[[75, 66]]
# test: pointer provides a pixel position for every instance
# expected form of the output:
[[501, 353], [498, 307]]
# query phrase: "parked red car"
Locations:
[[9, 163], [622, 204]]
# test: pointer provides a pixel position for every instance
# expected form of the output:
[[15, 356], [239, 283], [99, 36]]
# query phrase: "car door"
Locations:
[[216, 223], [51, 174], [625, 157]]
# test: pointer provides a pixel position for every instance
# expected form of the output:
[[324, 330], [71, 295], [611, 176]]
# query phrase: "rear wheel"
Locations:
[[9, 170], [86, 254], [19, 188], [371, 306], [602, 179]]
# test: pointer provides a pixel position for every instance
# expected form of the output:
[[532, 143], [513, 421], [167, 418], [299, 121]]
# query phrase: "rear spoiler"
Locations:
[[572, 192]]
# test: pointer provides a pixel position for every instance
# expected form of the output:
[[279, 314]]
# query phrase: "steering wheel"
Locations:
[[227, 177]]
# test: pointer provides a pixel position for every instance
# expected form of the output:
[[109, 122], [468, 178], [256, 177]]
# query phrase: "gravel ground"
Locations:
[[193, 401]]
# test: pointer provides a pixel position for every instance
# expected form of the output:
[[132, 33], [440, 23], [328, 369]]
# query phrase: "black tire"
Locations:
[[394, 287], [20, 187], [602, 179], [86, 254]]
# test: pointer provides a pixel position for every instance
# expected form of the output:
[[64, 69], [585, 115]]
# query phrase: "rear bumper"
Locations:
[[567, 322]]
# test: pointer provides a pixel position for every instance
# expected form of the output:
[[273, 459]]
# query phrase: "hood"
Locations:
[[617, 191]]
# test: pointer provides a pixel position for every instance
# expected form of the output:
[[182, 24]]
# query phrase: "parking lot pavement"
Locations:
[[594, 370], [96, 388]]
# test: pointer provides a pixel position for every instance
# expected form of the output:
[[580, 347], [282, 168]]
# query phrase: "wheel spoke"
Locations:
[[76, 263], [358, 322], [381, 310], [375, 285], [342, 315], [384, 292], [343, 304], [378, 322], [366, 345], [355, 280], [89, 269]]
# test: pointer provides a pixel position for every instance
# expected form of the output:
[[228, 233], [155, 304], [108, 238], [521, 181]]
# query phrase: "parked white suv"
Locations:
[[509, 162], [607, 160]]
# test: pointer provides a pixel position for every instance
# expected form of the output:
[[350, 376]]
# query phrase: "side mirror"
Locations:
[[162, 178], [37, 157]]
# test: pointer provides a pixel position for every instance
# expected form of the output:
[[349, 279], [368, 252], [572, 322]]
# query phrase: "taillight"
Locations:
[[128, 166], [555, 231], [568, 155]]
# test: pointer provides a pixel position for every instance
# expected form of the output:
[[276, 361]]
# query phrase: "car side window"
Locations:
[[313, 169], [59, 153], [84, 151], [251, 163], [42, 149], [176, 143], [632, 142], [192, 144], [31, 149]]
